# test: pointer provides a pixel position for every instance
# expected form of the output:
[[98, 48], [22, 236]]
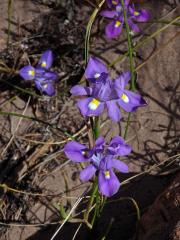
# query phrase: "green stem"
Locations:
[[91, 200], [130, 48]]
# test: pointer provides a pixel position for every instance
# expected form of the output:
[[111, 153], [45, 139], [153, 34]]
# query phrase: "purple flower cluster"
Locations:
[[105, 93], [114, 28], [43, 78], [102, 160]]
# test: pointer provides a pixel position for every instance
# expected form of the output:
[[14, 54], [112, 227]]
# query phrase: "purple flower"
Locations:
[[114, 28], [41, 75], [105, 93], [115, 3], [102, 160], [136, 16]]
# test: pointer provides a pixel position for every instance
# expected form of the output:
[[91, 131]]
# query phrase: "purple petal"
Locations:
[[27, 72], [122, 80], [94, 68], [83, 105], [133, 26], [99, 142], [45, 87], [108, 186], [144, 16], [113, 110], [87, 173], [79, 90], [46, 60], [74, 151], [48, 88], [50, 76], [119, 165], [113, 29], [130, 101], [108, 14], [119, 147], [141, 15]]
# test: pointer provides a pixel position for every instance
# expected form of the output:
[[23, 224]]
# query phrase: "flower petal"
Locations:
[[118, 146], [113, 110], [133, 26], [114, 28], [48, 88], [46, 60], [87, 173], [83, 105], [131, 101], [119, 165], [79, 90], [108, 186], [94, 68], [74, 151], [108, 14], [27, 72], [50, 76], [122, 80]]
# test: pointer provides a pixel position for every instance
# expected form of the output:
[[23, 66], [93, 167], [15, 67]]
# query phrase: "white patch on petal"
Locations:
[[43, 64], [125, 98], [93, 105], [45, 86], [117, 24], [136, 13], [31, 72], [97, 75], [107, 174]]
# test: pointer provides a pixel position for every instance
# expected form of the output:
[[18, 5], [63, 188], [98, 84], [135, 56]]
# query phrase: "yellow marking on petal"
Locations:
[[43, 64], [114, 2], [97, 75], [125, 98], [31, 72], [136, 13], [93, 105], [117, 24], [107, 174]]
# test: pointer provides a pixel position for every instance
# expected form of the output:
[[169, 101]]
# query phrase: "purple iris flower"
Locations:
[[105, 93], [114, 28], [102, 160], [115, 3], [43, 78], [134, 16]]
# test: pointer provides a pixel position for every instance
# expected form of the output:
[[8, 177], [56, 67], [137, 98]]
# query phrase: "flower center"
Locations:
[[125, 98], [97, 75], [114, 2], [136, 13], [107, 174], [93, 105], [45, 86], [118, 9], [43, 64], [31, 72], [117, 24], [96, 159]]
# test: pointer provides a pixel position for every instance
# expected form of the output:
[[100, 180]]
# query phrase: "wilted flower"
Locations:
[[102, 160], [43, 78], [105, 93]]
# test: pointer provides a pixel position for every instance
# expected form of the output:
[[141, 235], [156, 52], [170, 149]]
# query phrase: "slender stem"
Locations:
[[91, 200], [130, 48], [131, 62]]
